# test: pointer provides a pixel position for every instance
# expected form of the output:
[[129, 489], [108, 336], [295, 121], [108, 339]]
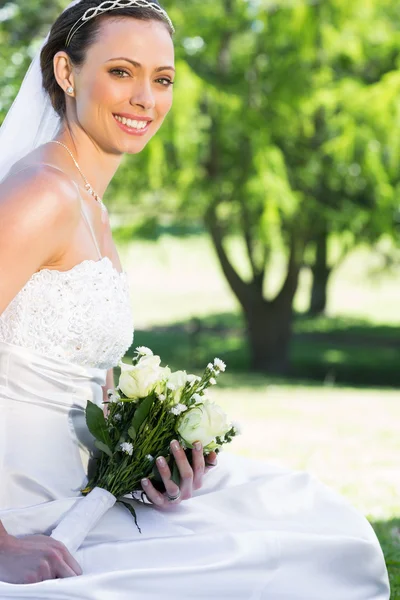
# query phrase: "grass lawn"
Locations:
[[347, 436]]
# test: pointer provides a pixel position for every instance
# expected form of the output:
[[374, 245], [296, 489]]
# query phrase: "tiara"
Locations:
[[91, 13]]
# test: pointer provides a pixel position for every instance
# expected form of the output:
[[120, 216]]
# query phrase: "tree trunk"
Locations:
[[320, 275], [269, 330]]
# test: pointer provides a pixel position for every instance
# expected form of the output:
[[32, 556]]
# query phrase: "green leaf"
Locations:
[[132, 432], [96, 423], [142, 412], [132, 511], [103, 447]]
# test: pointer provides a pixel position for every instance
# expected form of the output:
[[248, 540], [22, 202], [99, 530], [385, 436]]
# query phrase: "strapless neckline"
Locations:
[[81, 265], [82, 315]]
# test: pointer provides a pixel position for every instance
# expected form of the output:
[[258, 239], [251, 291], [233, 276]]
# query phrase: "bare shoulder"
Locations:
[[40, 189], [39, 211]]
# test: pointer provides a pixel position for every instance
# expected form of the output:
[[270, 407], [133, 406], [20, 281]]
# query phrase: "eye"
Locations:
[[168, 81], [117, 73]]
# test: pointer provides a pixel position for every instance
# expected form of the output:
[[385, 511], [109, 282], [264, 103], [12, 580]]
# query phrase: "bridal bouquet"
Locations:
[[150, 407]]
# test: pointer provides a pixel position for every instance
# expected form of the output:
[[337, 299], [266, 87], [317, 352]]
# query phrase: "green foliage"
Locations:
[[97, 425], [285, 124], [142, 413], [388, 535]]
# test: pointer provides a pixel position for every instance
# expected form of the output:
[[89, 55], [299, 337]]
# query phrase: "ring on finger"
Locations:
[[173, 498]]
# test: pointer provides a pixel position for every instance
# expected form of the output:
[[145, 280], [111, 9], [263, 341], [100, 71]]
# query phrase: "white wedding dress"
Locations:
[[252, 532]]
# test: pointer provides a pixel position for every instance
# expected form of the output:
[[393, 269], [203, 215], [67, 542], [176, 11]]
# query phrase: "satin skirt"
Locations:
[[252, 532]]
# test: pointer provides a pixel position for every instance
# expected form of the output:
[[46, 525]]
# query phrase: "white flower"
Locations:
[[212, 381], [150, 457], [127, 447], [203, 423], [117, 417], [193, 378], [178, 409], [114, 398], [197, 398], [138, 381], [210, 366], [161, 397], [178, 380], [165, 372], [219, 364], [237, 427], [144, 351]]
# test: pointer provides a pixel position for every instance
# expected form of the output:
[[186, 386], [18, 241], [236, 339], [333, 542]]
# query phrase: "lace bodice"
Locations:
[[82, 315]]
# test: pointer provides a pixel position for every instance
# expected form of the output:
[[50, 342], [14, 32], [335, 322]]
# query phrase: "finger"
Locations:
[[170, 486], [211, 461], [72, 563], [198, 465], [152, 494], [69, 559], [44, 571], [185, 470], [57, 564], [63, 570]]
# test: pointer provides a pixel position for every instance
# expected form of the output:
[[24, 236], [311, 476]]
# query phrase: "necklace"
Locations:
[[88, 187]]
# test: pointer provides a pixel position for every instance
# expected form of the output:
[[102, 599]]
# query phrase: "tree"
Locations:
[[273, 138]]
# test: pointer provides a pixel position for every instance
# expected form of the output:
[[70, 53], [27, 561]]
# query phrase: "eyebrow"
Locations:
[[136, 64]]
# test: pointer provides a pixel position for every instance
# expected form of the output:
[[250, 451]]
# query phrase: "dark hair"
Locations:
[[81, 41]]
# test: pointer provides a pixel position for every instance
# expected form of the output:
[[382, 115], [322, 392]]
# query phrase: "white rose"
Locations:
[[176, 383], [203, 423], [165, 372], [139, 381]]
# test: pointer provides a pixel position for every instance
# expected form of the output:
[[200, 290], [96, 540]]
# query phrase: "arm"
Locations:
[[39, 212]]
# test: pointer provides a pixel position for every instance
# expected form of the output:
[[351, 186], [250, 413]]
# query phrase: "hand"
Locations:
[[35, 558], [191, 478]]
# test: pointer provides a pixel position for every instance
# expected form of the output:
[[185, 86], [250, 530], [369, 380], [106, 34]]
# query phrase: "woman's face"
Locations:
[[123, 91]]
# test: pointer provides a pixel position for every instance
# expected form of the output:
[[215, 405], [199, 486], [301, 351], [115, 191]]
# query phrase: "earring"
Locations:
[[69, 90]]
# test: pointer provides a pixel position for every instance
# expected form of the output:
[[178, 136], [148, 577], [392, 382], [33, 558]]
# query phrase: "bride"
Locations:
[[242, 529]]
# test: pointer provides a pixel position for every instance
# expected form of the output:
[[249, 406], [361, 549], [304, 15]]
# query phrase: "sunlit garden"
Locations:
[[261, 225], [336, 416]]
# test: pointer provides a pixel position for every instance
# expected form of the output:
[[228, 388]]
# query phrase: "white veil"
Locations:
[[31, 120]]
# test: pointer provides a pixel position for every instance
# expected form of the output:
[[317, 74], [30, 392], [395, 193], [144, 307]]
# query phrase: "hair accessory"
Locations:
[[108, 5], [69, 89]]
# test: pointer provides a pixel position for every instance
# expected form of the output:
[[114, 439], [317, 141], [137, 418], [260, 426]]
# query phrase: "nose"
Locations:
[[143, 95]]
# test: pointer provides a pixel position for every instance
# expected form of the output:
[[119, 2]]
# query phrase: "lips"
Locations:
[[133, 117], [133, 130]]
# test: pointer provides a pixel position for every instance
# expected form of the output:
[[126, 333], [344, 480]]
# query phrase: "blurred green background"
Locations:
[[261, 225]]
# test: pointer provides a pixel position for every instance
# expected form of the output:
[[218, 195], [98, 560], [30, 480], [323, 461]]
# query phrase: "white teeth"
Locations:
[[131, 123]]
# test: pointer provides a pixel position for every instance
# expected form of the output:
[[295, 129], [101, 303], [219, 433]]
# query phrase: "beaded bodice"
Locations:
[[82, 315]]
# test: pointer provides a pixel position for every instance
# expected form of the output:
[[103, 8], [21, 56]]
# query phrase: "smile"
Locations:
[[131, 125]]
